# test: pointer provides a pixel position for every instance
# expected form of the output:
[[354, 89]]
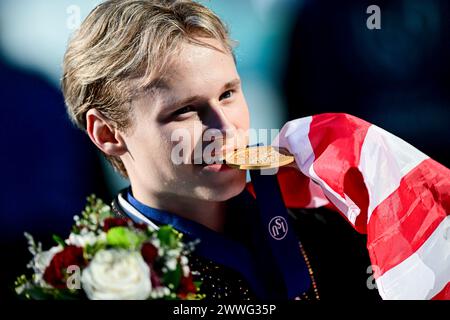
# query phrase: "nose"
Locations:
[[219, 120], [225, 125], [219, 126]]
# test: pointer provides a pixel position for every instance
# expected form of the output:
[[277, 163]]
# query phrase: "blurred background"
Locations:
[[295, 57]]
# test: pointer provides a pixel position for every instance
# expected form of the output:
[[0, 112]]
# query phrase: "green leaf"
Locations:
[[91, 250], [59, 240], [34, 292], [173, 277], [168, 236], [198, 284], [123, 237]]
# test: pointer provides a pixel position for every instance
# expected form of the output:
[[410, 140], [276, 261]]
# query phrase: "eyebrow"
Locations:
[[232, 84], [229, 85]]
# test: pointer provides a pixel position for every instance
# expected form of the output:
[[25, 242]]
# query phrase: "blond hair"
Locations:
[[122, 40]]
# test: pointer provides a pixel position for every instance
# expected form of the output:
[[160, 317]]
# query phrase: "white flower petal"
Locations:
[[117, 274]]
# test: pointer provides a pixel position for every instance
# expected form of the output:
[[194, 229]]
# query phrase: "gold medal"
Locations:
[[256, 158]]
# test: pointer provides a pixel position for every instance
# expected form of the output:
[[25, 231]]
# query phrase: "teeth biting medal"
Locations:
[[260, 157]]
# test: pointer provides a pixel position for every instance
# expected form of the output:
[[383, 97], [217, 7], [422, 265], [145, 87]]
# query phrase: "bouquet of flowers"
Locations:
[[110, 258]]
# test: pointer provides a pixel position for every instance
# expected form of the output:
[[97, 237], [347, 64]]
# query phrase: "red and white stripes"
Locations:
[[382, 186]]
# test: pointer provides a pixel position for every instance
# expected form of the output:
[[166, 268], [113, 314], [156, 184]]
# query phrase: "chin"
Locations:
[[224, 191]]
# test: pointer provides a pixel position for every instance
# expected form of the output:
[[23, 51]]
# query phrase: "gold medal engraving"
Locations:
[[262, 157]]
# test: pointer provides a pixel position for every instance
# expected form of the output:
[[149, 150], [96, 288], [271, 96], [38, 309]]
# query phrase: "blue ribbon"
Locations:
[[280, 236]]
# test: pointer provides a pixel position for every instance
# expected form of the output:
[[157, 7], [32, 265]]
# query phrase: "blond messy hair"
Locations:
[[122, 40]]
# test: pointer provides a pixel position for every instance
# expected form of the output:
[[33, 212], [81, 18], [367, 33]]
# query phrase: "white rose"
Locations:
[[117, 274]]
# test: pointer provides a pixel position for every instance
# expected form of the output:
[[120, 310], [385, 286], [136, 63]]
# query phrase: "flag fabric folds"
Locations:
[[385, 188]]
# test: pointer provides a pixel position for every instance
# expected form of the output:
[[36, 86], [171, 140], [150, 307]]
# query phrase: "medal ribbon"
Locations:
[[280, 237]]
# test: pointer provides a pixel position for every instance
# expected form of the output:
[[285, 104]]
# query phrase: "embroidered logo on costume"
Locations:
[[278, 227]]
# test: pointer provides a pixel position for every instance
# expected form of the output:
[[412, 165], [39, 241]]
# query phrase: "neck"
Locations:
[[210, 214]]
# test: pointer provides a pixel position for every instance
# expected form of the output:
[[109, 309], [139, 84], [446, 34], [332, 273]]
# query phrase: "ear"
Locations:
[[105, 136]]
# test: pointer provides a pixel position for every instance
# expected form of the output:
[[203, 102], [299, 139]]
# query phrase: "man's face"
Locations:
[[201, 90]]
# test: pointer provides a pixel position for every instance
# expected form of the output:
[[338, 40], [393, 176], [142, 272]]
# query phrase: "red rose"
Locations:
[[109, 223], [140, 226], [155, 279], [149, 253], [186, 286], [55, 273]]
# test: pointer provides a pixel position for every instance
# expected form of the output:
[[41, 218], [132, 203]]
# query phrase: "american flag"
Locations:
[[385, 188]]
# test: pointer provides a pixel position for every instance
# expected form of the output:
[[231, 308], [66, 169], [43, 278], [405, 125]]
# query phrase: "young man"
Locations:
[[135, 73]]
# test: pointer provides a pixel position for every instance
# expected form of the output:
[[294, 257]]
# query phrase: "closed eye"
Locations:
[[184, 110]]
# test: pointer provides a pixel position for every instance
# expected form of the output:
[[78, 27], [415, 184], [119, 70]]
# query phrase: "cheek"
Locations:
[[179, 141], [241, 117], [241, 122], [149, 145], [245, 122]]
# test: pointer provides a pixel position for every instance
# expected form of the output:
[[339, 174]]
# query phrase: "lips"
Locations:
[[216, 167], [225, 151], [216, 156]]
